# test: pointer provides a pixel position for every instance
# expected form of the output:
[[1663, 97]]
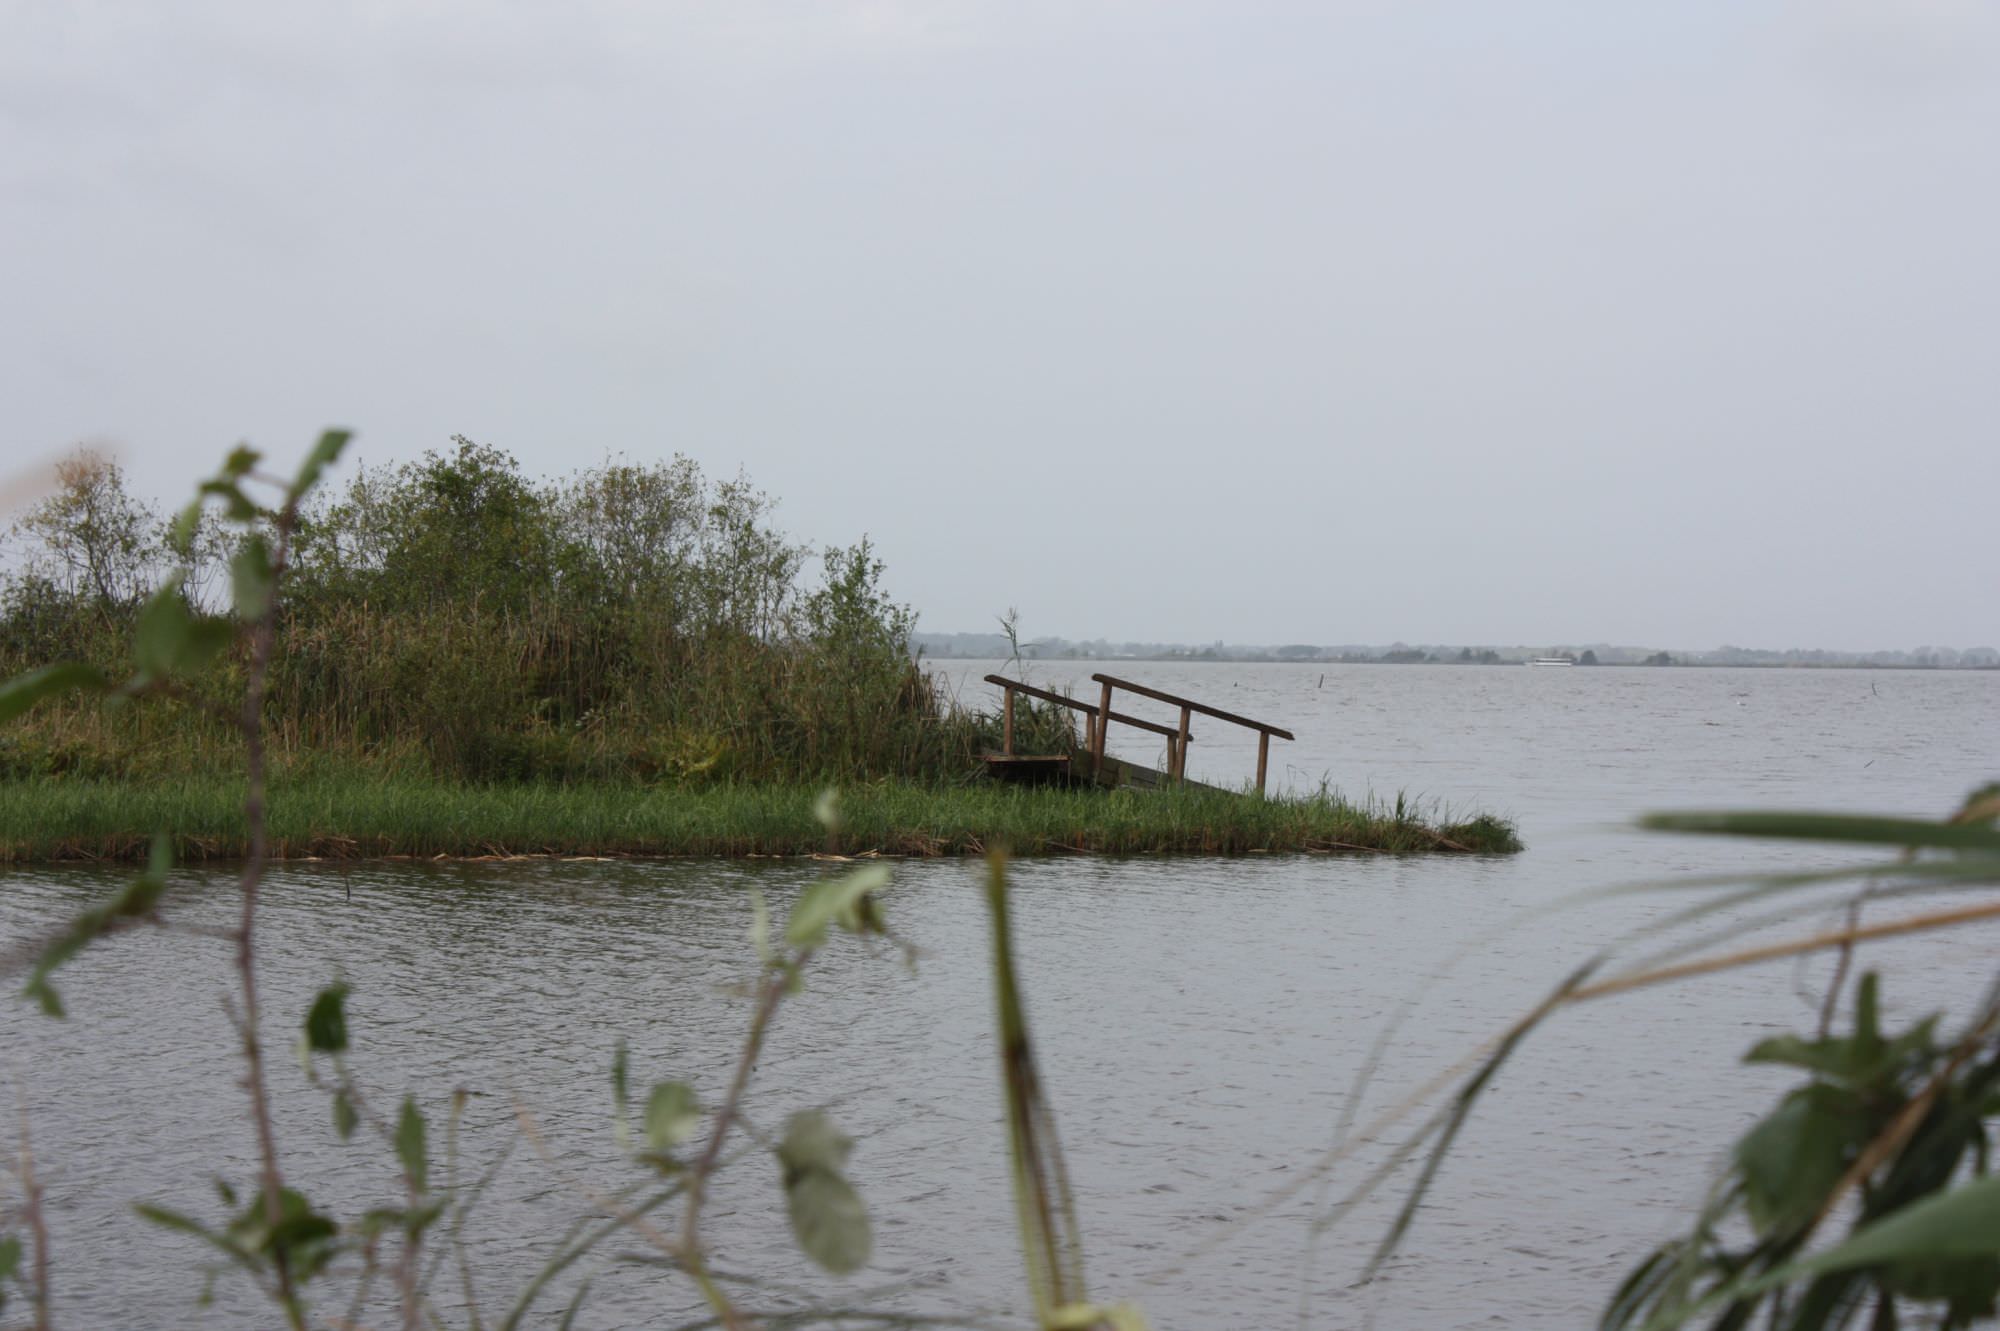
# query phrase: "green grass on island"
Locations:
[[359, 817]]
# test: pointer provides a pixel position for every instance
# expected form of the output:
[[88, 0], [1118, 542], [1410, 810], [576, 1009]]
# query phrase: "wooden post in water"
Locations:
[[1007, 726], [1263, 756], [1180, 766]]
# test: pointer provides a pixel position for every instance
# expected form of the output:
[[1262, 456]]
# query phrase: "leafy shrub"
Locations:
[[634, 621]]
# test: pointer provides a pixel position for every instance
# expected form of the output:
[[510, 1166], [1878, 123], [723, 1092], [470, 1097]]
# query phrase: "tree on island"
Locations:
[[1588, 658]]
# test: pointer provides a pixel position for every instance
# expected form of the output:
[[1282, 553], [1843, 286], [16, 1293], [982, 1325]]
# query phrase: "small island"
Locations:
[[629, 662]]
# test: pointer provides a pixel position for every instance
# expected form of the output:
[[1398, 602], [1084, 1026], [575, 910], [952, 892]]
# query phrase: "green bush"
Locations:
[[634, 621]]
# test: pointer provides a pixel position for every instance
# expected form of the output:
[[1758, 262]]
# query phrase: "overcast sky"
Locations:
[[1675, 323]]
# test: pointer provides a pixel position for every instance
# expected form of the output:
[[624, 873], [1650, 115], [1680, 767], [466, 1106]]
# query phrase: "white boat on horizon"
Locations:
[[1549, 661]]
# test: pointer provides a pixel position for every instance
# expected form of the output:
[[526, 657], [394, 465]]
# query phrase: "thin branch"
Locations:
[[1913, 924], [771, 995], [32, 1217], [1842, 962], [24, 955], [625, 1215], [251, 722], [781, 1319]]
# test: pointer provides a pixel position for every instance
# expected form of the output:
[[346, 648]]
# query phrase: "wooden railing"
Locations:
[[1177, 753], [1097, 721], [1090, 714]]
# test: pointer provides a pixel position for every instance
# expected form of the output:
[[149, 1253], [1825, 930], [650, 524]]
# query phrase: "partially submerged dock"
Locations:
[[1093, 765]]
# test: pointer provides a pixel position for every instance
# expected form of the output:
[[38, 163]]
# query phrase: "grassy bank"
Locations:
[[358, 816]]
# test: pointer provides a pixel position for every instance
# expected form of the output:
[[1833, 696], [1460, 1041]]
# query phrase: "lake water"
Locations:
[[1201, 1023]]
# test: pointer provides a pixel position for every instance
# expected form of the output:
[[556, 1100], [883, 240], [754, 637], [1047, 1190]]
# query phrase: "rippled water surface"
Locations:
[[1201, 1022]]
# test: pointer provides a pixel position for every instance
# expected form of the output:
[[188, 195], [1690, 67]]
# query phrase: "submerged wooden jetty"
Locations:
[[1097, 767]]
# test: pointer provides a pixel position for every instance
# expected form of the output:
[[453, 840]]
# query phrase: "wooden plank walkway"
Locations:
[[1112, 772], [1093, 765]]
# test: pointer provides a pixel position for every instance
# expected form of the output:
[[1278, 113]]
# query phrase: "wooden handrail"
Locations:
[[1177, 752], [1193, 706], [1015, 685], [1098, 720]]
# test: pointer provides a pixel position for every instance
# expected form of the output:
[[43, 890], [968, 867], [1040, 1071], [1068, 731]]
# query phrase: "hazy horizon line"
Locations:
[[1402, 644]]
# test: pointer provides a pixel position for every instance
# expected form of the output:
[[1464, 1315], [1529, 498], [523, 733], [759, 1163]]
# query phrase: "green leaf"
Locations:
[[323, 455], [834, 901], [812, 1142], [135, 900], [45, 996], [420, 1218], [297, 1231], [306, 1239], [20, 693], [234, 502], [187, 522], [1964, 1222], [672, 1115], [174, 1220], [621, 1097], [326, 1022], [163, 627], [1972, 1283], [1961, 1224], [410, 1145], [1857, 1062], [209, 636], [345, 1118], [1792, 1160], [10, 1256], [760, 927], [171, 640], [828, 1219], [1867, 1019], [376, 1219], [1832, 1058], [240, 462], [252, 579], [1892, 832]]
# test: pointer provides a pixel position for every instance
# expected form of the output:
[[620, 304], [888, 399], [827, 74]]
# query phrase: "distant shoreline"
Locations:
[[988, 647], [1199, 659]]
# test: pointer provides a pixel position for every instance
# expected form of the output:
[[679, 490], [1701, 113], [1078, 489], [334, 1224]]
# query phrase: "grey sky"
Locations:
[[1674, 323]]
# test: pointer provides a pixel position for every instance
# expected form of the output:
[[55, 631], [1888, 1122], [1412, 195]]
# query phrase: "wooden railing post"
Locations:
[[1263, 757], [1103, 724], [1007, 726], [1180, 764]]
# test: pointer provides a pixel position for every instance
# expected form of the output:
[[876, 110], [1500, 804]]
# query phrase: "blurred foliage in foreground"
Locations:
[[1888, 1137]]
